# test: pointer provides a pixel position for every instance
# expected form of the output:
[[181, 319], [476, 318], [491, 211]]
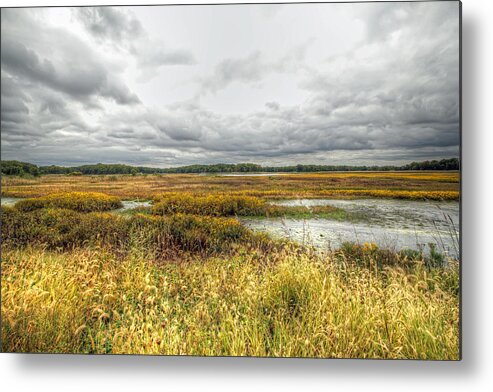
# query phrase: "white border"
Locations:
[[122, 373]]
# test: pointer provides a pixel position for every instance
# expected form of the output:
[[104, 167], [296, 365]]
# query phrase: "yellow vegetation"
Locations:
[[77, 201], [215, 205], [292, 304], [310, 185], [395, 194]]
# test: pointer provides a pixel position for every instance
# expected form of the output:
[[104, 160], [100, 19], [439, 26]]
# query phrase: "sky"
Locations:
[[163, 86]]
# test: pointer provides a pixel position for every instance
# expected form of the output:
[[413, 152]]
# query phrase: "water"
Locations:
[[394, 224], [9, 201], [131, 204]]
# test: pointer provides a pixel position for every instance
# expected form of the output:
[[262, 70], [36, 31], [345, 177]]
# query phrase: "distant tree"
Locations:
[[17, 168]]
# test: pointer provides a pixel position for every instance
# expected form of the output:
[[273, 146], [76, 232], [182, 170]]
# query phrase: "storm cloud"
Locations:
[[374, 83]]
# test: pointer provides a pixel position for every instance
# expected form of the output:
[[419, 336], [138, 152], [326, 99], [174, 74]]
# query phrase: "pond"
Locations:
[[394, 224]]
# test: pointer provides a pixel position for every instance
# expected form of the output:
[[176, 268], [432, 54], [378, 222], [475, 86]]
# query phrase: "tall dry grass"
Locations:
[[289, 303]]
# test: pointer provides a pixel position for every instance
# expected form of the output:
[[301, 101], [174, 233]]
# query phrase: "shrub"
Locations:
[[77, 201], [188, 232], [62, 228], [370, 255]]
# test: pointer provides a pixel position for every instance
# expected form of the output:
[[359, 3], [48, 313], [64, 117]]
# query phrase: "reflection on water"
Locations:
[[395, 224]]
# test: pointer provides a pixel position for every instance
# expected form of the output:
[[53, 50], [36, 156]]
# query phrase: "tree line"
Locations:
[[17, 168]]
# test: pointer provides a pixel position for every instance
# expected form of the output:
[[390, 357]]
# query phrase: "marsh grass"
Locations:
[[209, 205], [77, 201], [246, 206], [289, 303], [65, 229], [429, 185]]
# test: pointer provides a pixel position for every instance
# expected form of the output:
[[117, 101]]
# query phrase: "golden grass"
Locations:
[[215, 205], [284, 304], [77, 201], [394, 194], [235, 205], [308, 185]]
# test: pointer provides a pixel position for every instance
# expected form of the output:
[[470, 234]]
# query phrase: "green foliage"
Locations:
[[370, 255], [444, 164], [436, 259], [16, 168]]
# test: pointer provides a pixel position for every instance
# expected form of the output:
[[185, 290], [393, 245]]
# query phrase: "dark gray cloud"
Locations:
[[119, 27], [70, 66], [73, 79], [111, 23], [390, 98]]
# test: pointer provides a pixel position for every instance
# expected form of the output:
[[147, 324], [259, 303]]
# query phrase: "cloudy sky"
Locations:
[[270, 84]]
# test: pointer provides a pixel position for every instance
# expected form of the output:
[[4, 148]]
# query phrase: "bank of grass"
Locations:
[[246, 206], [214, 205], [159, 236], [392, 194], [289, 303], [77, 201]]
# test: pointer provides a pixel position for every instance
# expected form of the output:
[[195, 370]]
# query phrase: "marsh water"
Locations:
[[131, 204], [394, 224], [9, 201]]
